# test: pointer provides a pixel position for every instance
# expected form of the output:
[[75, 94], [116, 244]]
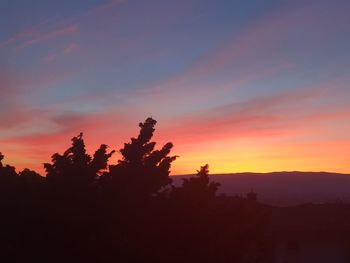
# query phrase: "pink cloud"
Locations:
[[50, 57], [284, 114], [65, 125], [15, 83], [16, 115], [70, 48], [26, 33], [38, 146], [45, 36], [67, 50]]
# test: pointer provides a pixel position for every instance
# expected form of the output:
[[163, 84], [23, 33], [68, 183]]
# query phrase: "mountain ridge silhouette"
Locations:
[[285, 188]]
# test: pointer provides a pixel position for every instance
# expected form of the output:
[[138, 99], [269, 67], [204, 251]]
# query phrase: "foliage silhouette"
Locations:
[[75, 167], [6, 171], [85, 210], [142, 171], [198, 189]]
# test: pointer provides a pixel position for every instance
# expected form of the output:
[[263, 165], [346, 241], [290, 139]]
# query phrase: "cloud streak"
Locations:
[[46, 36], [54, 27]]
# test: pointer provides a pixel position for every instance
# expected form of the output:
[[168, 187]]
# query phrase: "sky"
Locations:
[[241, 85]]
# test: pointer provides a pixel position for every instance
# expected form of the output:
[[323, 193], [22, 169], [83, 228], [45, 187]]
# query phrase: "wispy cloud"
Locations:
[[54, 27], [50, 57], [70, 48], [262, 48], [27, 33], [285, 115], [45, 36]]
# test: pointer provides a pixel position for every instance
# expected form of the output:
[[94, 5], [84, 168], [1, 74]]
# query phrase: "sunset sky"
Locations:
[[242, 85]]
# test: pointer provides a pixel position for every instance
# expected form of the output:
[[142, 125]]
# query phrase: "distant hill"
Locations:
[[285, 188]]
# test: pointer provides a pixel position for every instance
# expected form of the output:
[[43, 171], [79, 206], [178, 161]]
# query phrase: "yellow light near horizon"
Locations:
[[255, 156]]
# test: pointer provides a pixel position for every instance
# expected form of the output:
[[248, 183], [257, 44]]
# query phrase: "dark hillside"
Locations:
[[286, 188]]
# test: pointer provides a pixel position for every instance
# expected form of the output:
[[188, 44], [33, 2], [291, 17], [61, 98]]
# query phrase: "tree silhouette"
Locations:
[[8, 181], [72, 208], [142, 170], [31, 183], [6, 171], [29, 174], [199, 188], [75, 167]]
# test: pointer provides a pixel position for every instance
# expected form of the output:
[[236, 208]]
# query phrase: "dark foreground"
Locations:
[[85, 210]]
